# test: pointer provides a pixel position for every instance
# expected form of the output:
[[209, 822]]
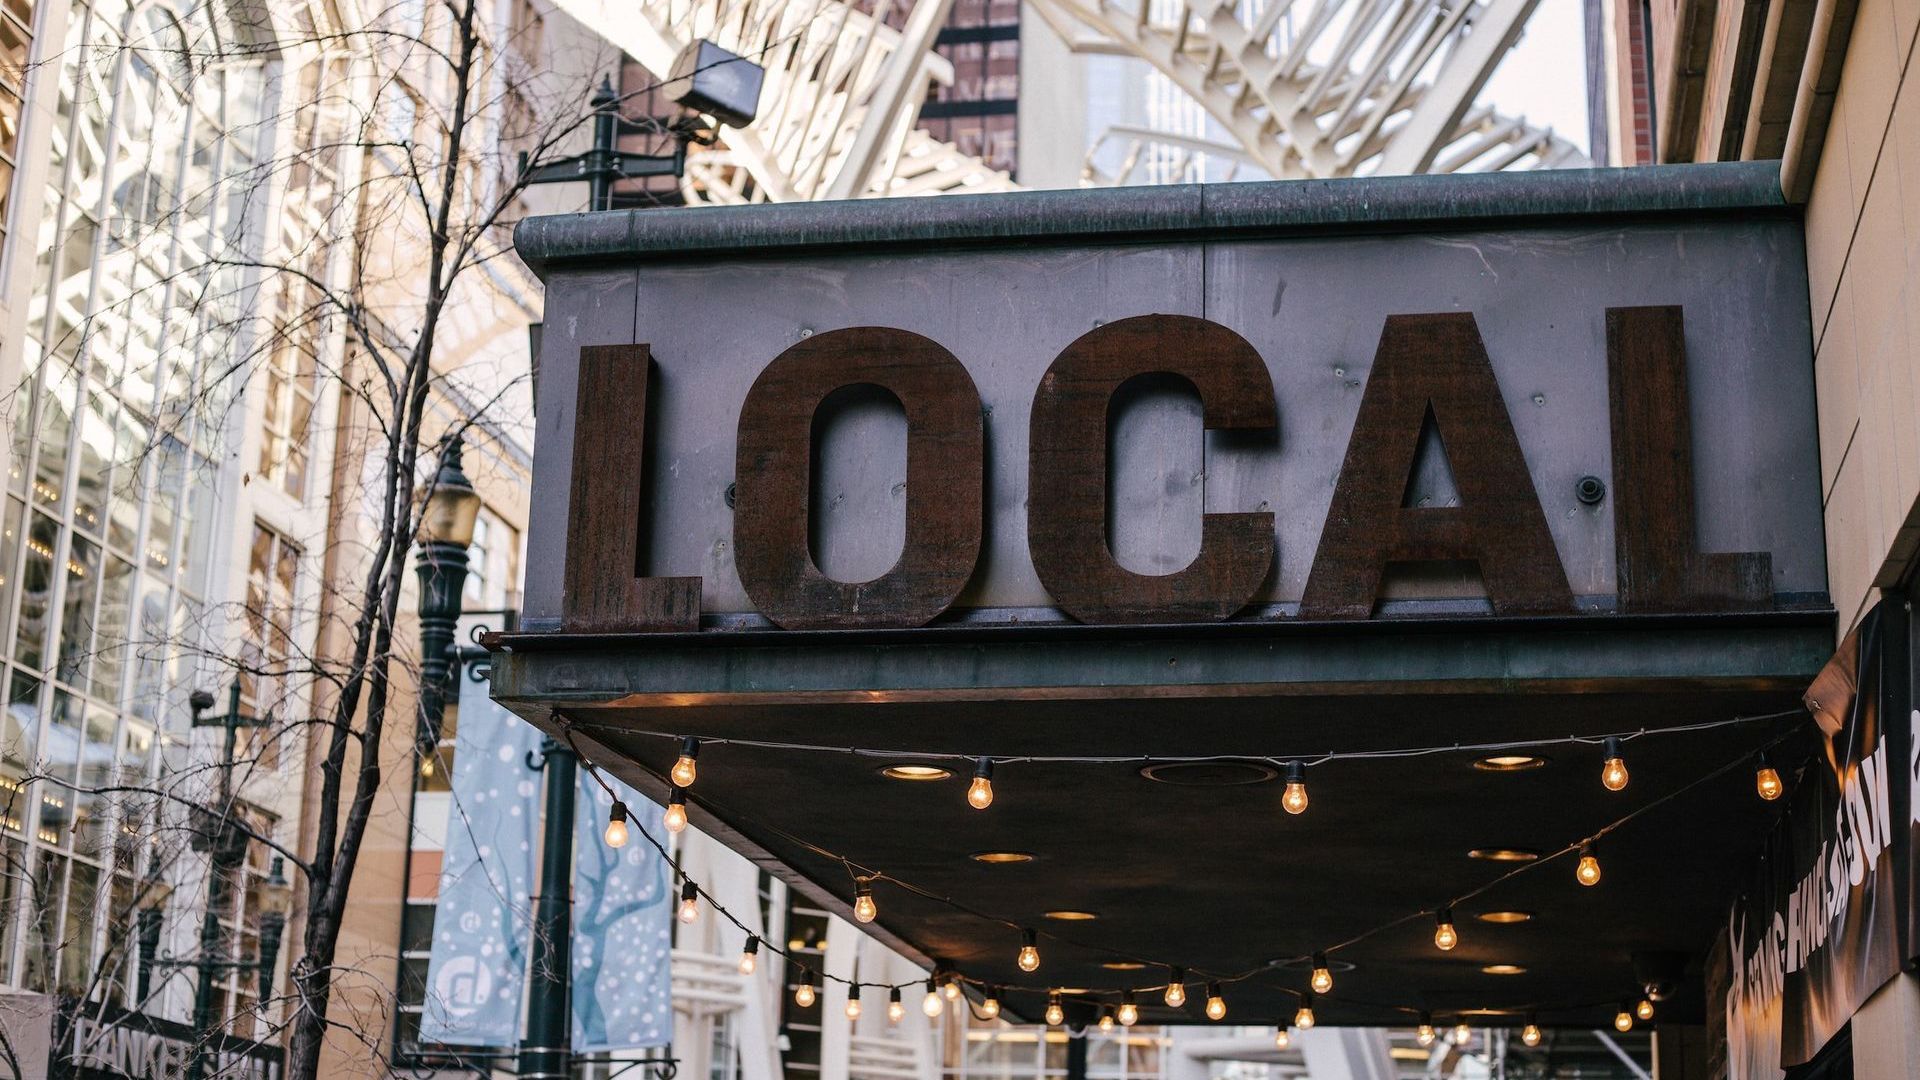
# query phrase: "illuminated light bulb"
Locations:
[[1282, 1038], [426, 768], [1424, 1034], [1766, 781], [803, 995], [990, 1008], [853, 1002], [1129, 1013], [1055, 1014], [1462, 1033], [1029, 951], [616, 835], [1106, 1020], [684, 772], [1613, 774], [951, 988], [1588, 872], [1644, 1010], [864, 908], [689, 903], [1216, 1005], [1445, 937], [933, 1004], [895, 1010], [1295, 798], [1531, 1033], [1304, 1018], [750, 955], [1322, 978], [676, 815], [1624, 1021], [980, 792], [1176, 987]]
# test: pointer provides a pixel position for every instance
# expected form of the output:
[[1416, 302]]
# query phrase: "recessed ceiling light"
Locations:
[[1074, 990], [1072, 916], [1504, 969], [997, 857], [915, 772], [1503, 854], [1504, 917], [1509, 763], [1122, 965]]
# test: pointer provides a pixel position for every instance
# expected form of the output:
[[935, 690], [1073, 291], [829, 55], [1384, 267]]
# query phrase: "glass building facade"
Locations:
[[108, 597]]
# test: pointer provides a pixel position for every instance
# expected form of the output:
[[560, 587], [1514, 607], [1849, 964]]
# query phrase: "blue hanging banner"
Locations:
[[622, 928], [477, 967]]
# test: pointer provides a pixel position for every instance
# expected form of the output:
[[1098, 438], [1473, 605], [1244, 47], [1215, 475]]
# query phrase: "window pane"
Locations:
[[36, 593], [76, 620]]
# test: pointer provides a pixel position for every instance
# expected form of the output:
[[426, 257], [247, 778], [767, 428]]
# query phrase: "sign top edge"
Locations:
[[1159, 214]]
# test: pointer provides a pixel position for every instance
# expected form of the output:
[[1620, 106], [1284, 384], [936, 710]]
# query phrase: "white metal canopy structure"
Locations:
[[1325, 88], [1302, 88]]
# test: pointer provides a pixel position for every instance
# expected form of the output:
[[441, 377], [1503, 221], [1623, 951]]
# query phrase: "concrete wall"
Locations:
[[1863, 270]]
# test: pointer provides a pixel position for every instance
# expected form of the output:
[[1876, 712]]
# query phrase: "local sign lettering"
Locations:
[[1428, 370]]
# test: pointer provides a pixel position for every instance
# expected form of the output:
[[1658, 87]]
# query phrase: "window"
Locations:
[[493, 565], [16, 44], [286, 419], [272, 571]]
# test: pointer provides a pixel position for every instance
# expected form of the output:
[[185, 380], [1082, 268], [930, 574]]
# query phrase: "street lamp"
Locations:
[[225, 842], [449, 508]]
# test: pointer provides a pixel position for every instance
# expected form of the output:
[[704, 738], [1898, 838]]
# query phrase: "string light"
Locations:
[[684, 771], [616, 835], [895, 1010], [1462, 1033], [1295, 797], [1055, 1014], [1282, 1038], [853, 1001], [1588, 872], [1613, 774], [676, 815], [1424, 1034], [980, 792], [805, 995], [864, 908], [1766, 782], [1322, 981], [933, 1003], [1029, 951]]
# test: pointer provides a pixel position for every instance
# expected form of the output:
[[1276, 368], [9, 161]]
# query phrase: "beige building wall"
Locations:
[[1863, 269]]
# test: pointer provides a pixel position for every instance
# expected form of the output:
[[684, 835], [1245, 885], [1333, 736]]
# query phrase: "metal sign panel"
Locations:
[[1577, 315]]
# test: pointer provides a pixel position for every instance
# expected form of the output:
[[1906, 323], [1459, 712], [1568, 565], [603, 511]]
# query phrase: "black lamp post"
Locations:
[[447, 517], [225, 842]]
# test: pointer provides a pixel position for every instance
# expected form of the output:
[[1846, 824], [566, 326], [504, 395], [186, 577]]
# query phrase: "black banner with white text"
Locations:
[[1820, 928]]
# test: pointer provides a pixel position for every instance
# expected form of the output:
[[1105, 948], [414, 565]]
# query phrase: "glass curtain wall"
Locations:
[[116, 435]]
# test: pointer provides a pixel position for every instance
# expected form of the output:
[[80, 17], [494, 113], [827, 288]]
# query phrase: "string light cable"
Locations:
[[1029, 935]]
